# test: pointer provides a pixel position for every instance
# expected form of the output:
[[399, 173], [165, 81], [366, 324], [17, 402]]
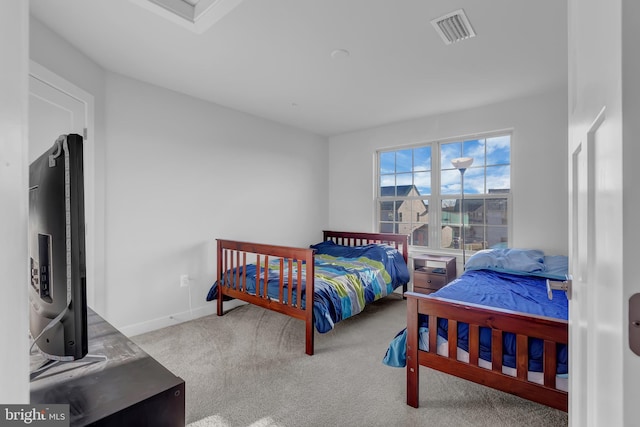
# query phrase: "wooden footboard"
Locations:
[[552, 331], [234, 256]]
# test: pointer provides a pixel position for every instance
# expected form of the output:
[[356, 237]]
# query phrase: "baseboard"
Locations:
[[163, 322], [174, 319]]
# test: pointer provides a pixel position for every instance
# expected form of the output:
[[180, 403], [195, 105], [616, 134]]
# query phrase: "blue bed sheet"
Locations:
[[517, 292]]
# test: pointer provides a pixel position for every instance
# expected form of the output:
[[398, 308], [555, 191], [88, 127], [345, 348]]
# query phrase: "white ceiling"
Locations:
[[272, 58]]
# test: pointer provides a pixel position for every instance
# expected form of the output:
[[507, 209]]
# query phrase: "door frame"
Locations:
[[94, 229]]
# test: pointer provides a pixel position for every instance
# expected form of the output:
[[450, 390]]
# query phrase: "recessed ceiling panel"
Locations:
[[196, 15]]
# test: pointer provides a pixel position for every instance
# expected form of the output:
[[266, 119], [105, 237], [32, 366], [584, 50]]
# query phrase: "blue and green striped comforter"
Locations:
[[346, 280]]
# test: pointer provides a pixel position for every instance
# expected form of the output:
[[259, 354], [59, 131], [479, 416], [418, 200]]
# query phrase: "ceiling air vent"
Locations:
[[453, 27]]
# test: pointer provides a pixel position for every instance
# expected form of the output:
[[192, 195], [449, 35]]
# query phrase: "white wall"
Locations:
[[172, 174], [539, 163], [182, 172], [14, 324]]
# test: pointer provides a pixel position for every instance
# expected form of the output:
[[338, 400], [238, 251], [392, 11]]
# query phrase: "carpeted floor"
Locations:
[[248, 368]]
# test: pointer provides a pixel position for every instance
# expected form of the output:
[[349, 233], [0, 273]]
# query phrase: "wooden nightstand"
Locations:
[[431, 272]]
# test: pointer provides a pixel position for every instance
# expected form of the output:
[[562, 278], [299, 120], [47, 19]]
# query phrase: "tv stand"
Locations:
[[126, 387], [73, 364]]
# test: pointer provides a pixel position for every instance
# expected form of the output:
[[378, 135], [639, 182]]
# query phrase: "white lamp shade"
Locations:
[[462, 162]]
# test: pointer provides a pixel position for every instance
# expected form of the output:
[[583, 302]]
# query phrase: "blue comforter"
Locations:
[[523, 293], [346, 279]]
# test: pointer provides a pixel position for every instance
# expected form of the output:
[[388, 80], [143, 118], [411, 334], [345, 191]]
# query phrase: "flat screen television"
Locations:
[[57, 289]]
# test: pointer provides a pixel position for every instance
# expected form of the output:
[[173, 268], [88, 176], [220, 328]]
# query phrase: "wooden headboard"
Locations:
[[348, 238]]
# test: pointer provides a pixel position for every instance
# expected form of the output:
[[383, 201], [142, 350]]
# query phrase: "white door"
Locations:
[[595, 334], [56, 107], [603, 119]]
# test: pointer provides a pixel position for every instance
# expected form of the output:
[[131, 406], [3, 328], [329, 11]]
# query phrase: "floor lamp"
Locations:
[[462, 163]]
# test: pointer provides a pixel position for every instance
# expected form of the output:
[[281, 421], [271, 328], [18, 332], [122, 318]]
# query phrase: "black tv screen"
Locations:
[[57, 289]]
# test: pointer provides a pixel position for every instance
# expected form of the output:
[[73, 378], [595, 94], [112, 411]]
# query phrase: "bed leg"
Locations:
[[219, 302], [413, 367], [309, 337]]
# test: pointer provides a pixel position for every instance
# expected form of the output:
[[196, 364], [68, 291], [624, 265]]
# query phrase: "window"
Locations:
[[420, 193], [404, 192]]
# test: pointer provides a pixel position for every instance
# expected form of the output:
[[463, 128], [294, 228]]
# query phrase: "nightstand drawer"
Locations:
[[431, 281]]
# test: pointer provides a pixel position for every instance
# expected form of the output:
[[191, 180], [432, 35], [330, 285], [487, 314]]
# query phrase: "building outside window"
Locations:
[[419, 193]]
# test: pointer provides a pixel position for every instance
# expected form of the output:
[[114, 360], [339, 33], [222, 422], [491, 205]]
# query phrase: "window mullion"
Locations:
[[435, 217]]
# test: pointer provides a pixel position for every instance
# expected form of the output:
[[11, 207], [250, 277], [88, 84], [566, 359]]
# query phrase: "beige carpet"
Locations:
[[248, 368]]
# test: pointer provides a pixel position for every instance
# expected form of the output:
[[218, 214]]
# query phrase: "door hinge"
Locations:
[[85, 133]]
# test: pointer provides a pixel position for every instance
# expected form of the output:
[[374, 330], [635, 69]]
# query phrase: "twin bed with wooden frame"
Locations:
[[500, 324], [551, 331], [293, 265]]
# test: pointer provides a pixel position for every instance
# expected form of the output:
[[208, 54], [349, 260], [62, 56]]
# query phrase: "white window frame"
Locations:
[[435, 198]]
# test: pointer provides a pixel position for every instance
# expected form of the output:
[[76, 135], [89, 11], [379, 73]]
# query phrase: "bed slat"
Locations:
[[281, 283], [550, 360], [496, 350], [243, 285], [433, 335], [299, 288], [474, 344], [522, 356], [265, 279], [452, 339], [290, 278]]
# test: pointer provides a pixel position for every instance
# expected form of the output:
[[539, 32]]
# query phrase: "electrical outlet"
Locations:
[[184, 280]]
